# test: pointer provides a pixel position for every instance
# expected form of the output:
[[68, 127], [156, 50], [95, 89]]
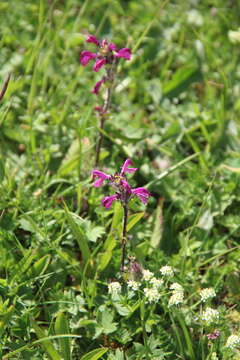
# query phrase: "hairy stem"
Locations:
[[124, 235], [105, 108]]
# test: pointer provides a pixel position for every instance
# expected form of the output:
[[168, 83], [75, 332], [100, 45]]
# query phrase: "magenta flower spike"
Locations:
[[118, 181], [123, 193]]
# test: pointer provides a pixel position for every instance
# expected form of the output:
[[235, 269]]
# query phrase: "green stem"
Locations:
[[124, 235]]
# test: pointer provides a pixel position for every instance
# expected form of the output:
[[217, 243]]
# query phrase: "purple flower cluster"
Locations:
[[214, 335], [123, 190], [107, 53]]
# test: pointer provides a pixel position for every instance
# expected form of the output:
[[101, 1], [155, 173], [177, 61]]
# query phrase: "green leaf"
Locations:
[[94, 354], [111, 242], [134, 219], [62, 327], [206, 221], [158, 228], [107, 322], [94, 232], [75, 223], [182, 78], [2, 170], [46, 344], [40, 266]]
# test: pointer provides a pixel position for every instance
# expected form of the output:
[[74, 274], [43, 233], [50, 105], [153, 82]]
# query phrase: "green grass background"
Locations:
[[175, 113]]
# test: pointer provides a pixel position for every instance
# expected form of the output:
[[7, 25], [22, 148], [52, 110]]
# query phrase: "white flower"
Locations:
[[233, 341], [114, 288], [156, 283], [210, 315], [234, 36], [147, 275], [167, 271], [176, 287], [151, 294], [194, 18], [176, 298], [134, 285], [207, 293]]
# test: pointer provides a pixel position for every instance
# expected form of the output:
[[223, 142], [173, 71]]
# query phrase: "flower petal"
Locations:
[[123, 53], [86, 56], [108, 200], [101, 177], [142, 193], [125, 167], [92, 39], [98, 85], [126, 185], [98, 64], [112, 47]]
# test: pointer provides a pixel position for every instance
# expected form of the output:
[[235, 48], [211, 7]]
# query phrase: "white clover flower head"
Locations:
[[151, 294], [176, 298], [194, 17], [114, 288], [207, 293], [156, 283], [233, 341], [167, 271], [147, 275], [210, 315], [134, 285], [176, 287]]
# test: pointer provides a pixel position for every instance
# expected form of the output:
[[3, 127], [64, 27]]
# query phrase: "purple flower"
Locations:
[[118, 181], [101, 177], [125, 167], [108, 200], [92, 39], [98, 64], [112, 47], [98, 85], [142, 193], [105, 54], [123, 53], [86, 56]]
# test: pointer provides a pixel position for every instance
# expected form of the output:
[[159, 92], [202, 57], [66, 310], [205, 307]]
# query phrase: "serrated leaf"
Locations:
[[107, 323], [93, 233], [122, 310]]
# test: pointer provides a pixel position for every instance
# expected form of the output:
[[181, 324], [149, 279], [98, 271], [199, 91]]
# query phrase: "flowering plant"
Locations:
[[123, 193], [106, 56]]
